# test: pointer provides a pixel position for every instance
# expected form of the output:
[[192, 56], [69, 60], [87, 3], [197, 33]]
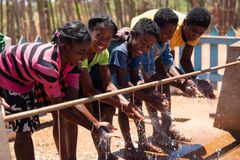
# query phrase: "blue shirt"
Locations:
[[120, 57], [148, 59]]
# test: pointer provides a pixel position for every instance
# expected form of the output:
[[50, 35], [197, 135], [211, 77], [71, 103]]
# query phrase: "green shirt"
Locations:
[[99, 58]]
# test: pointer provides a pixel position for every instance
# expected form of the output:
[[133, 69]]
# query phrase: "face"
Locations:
[[76, 52], [192, 32], [167, 31], [101, 38], [141, 44]]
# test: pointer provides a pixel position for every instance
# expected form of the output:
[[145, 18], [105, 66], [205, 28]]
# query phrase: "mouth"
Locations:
[[100, 47]]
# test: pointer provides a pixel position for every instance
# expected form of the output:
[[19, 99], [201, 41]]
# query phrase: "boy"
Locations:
[[124, 65]]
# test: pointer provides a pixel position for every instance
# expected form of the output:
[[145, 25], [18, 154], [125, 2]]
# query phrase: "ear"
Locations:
[[66, 47], [133, 33]]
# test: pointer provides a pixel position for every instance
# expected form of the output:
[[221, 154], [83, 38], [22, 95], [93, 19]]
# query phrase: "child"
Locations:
[[46, 64], [124, 65], [102, 29], [187, 34]]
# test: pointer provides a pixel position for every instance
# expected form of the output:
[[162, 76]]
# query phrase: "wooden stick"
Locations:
[[108, 94], [4, 147]]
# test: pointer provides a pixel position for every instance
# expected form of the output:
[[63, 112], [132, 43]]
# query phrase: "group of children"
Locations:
[[84, 61]]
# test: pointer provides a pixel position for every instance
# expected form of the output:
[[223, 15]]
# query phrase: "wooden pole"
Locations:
[[4, 147], [108, 94]]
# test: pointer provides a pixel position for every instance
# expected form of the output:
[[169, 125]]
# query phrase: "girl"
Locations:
[[102, 29], [23, 65]]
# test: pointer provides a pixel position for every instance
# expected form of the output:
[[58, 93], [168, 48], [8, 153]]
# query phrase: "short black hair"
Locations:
[[165, 16], [104, 20], [199, 16], [74, 31], [147, 26]]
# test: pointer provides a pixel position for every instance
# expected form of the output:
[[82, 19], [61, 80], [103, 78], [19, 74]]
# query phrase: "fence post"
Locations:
[[22, 40], [214, 55], [38, 39], [231, 32], [198, 57]]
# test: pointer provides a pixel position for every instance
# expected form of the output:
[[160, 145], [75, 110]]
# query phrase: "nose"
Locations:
[[170, 36], [83, 56]]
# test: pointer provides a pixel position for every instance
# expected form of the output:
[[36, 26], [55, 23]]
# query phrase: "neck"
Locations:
[[63, 58], [90, 54]]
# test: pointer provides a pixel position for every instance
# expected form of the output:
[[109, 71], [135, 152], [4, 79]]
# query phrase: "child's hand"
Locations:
[[204, 88], [106, 125], [190, 88], [159, 101], [123, 33], [3, 103], [133, 112], [108, 128]]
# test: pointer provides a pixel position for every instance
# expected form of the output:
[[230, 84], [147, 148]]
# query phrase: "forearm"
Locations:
[[187, 65], [82, 108]]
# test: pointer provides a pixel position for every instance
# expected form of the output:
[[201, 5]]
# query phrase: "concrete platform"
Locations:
[[208, 142]]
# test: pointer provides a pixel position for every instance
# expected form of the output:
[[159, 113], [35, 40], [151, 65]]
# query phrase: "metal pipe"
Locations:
[[108, 94]]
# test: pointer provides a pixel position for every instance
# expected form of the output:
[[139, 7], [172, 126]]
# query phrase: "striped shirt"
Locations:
[[22, 65]]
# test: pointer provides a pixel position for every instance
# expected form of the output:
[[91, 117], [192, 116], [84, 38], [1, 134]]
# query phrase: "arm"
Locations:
[[72, 93], [185, 60], [122, 103], [157, 102], [109, 86]]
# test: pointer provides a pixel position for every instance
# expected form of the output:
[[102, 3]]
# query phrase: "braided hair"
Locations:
[[2, 42], [102, 20], [74, 31]]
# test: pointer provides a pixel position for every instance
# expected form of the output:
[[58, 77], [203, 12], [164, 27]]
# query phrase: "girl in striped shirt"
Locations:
[[21, 66]]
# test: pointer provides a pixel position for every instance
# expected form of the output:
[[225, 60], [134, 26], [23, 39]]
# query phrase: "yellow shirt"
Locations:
[[177, 39]]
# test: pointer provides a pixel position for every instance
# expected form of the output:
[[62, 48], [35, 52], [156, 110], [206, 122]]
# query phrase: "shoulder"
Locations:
[[122, 48], [148, 14]]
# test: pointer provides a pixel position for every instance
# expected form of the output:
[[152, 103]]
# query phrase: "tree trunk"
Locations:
[[10, 22], [238, 15], [22, 19], [195, 3], [118, 12], [1, 16], [40, 6], [52, 21], [32, 25], [77, 10], [47, 21], [16, 17]]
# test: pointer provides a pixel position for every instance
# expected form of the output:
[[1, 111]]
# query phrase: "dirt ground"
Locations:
[[45, 148]]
